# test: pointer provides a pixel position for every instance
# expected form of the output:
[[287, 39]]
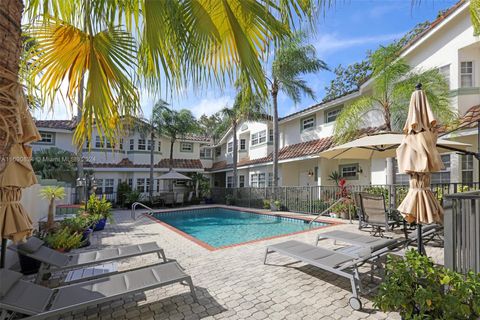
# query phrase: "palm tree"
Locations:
[[55, 163], [52, 193], [393, 83], [173, 124], [212, 126], [245, 107], [293, 59]]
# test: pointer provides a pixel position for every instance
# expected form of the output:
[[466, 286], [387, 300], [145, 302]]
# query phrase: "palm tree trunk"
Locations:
[[50, 218], [10, 50], [170, 163], [276, 141], [235, 154], [152, 160]]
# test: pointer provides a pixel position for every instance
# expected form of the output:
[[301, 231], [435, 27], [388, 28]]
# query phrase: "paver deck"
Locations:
[[231, 283]]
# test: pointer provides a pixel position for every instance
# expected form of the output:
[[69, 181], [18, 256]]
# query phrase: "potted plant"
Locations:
[[418, 289], [100, 209], [343, 209], [275, 205], [63, 240], [81, 224], [52, 193]]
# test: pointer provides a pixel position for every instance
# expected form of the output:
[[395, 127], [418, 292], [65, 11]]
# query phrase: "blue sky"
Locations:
[[343, 36]]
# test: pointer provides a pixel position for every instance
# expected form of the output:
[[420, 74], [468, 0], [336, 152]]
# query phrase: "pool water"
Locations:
[[220, 227]]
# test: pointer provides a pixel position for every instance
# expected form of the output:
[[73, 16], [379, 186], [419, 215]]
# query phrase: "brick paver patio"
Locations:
[[231, 283]]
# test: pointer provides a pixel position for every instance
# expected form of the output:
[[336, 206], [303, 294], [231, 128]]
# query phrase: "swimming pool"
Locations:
[[219, 227]]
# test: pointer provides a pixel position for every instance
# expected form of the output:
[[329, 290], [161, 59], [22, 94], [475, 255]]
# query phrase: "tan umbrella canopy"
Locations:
[[16, 171], [418, 157], [381, 145]]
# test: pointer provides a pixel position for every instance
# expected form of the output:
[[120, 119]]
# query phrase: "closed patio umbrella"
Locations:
[[418, 157], [16, 173]]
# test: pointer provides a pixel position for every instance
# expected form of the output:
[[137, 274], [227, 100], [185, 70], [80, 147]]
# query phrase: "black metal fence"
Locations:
[[462, 231], [315, 199]]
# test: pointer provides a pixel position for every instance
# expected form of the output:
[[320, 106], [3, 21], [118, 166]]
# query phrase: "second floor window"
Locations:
[[141, 144], [243, 144], [466, 74], [230, 147], [186, 147], [98, 142], [259, 137], [132, 144], [205, 153], [308, 123], [332, 114], [47, 137]]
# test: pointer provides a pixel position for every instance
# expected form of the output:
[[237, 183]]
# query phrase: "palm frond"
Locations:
[[352, 118], [475, 16], [65, 54]]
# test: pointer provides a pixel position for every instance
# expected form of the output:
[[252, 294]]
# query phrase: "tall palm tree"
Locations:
[[173, 124], [245, 107], [393, 83], [293, 59]]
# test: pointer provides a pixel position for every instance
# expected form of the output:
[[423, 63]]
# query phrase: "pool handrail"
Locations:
[[134, 207], [326, 211]]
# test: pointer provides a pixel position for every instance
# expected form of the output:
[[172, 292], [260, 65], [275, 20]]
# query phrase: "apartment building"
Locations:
[[128, 160], [448, 44]]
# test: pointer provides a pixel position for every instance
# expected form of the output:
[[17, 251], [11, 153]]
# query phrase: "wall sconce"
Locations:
[[310, 173], [360, 170]]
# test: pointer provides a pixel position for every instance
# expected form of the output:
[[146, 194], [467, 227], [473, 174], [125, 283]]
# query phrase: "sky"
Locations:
[[343, 35]]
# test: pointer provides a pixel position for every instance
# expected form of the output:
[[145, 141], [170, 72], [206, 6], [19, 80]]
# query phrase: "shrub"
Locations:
[[418, 289], [63, 240], [100, 207], [123, 190]]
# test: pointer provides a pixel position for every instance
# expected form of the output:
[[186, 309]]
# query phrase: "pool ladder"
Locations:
[[134, 207]]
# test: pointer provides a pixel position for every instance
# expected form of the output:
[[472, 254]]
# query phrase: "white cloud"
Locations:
[[209, 106], [328, 43]]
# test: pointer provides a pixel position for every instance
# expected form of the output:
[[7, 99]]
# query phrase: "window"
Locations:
[[332, 114], [229, 182], [150, 143], [157, 181], [466, 74], [218, 151], [108, 186], [230, 147], [141, 185], [141, 144], [241, 181], [445, 72], [107, 143], [257, 180], [308, 123], [467, 168], [259, 137], [99, 189], [132, 144], [205, 153], [147, 184], [270, 179], [349, 171], [47, 138], [243, 144], [121, 144], [98, 142], [186, 147], [130, 182], [444, 175], [159, 143], [270, 135]]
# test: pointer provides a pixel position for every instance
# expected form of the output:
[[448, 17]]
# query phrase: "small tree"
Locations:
[[55, 163], [52, 193]]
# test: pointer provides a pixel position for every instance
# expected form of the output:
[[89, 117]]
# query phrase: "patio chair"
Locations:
[[52, 260], [32, 301], [372, 212], [343, 262], [180, 198]]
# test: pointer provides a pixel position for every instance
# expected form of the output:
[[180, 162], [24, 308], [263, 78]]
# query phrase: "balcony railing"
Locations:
[[462, 231]]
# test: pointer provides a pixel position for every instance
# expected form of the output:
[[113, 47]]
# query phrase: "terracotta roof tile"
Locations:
[[56, 124], [127, 163], [470, 118]]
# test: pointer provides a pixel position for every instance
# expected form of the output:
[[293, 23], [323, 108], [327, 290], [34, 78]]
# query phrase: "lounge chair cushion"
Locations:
[[31, 246], [8, 279]]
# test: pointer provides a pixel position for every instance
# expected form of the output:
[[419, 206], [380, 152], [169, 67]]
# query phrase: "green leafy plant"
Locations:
[[100, 207], [266, 204], [229, 199], [77, 224], [335, 176], [63, 240], [123, 190], [344, 208], [131, 197], [418, 289]]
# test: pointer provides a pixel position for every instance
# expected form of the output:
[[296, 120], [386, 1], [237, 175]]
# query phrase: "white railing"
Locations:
[[134, 207]]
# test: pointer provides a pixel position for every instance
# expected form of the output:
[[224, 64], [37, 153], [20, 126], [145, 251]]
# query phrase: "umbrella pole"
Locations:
[[3, 253], [419, 239]]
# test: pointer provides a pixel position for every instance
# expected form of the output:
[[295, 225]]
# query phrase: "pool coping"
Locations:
[[268, 213]]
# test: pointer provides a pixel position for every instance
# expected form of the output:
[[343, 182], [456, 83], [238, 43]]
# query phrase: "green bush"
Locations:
[[131, 197], [100, 207], [123, 190], [418, 289], [63, 239]]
